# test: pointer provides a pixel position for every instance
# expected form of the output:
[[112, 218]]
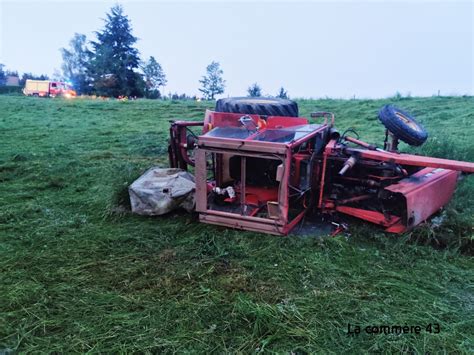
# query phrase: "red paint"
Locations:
[[425, 193]]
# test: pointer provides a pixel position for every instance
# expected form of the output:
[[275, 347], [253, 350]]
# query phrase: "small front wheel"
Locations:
[[402, 125]]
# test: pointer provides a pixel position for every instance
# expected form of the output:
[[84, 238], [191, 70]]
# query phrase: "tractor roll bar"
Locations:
[[324, 114]]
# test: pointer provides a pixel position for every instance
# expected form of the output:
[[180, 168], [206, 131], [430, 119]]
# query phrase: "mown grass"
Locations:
[[79, 273]]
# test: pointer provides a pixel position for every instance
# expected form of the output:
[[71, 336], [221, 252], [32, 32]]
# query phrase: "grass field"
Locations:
[[79, 273]]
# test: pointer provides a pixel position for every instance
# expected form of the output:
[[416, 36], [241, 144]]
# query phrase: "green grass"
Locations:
[[79, 273]]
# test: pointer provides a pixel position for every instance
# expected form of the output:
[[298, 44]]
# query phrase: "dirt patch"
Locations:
[[167, 255]]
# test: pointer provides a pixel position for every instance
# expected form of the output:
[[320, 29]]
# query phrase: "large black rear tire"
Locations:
[[264, 106], [402, 125]]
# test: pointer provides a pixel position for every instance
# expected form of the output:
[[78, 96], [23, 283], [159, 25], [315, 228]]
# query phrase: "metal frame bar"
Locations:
[[413, 160], [235, 220]]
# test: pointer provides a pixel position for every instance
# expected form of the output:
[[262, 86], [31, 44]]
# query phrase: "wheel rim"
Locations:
[[409, 122]]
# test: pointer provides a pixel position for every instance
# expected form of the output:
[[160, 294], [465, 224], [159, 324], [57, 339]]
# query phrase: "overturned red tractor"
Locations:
[[260, 167]]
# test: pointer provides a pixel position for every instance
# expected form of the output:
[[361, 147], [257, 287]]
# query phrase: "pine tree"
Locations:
[[212, 83], [114, 58]]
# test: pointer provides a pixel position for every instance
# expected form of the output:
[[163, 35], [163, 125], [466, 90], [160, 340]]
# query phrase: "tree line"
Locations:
[[111, 66], [5, 73]]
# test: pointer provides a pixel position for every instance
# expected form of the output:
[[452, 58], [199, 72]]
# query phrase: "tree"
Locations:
[[11, 73], [114, 58], [212, 84], [74, 67], [283, 94], [58, 76], [26, 76], [154, 78], [254, 90], [3, 76]]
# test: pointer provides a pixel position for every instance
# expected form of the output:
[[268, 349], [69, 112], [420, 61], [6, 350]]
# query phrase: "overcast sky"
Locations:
[[313, 49]]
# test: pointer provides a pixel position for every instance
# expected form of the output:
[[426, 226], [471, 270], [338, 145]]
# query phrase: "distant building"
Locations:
[[12, 80]]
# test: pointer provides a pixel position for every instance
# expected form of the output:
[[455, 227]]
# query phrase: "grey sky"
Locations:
[[313, 49]]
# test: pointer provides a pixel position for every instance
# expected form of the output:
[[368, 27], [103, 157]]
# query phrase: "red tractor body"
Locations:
[[266, 173]]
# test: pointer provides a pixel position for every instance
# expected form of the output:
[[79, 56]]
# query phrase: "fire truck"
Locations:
[[47, 88]]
